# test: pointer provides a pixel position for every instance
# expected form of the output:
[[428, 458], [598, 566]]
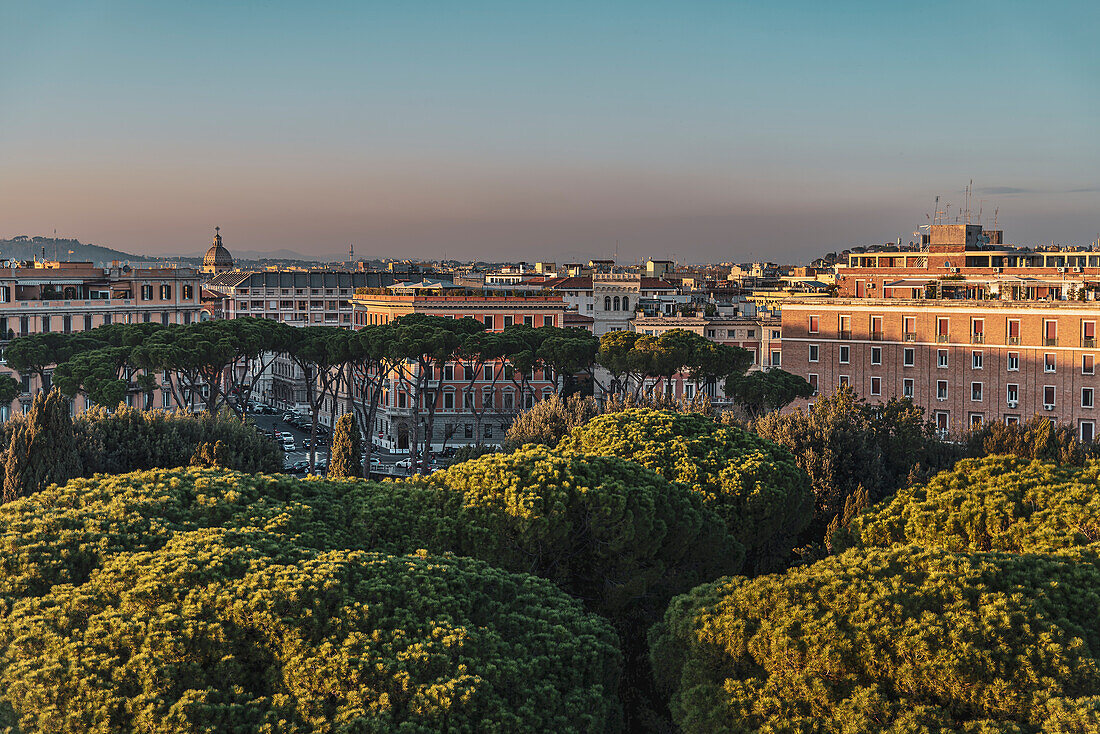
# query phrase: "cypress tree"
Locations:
[[43, 448], [346, 448]]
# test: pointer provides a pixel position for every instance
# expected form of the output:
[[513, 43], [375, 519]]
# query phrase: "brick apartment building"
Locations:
[[471, 406], [67, 297], [970, 329]]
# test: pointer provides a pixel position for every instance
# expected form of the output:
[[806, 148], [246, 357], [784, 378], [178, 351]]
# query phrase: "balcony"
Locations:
[[844, 334], [942, 338], [1088, 342], [977, 338], [1013, 340], [910, 336], [1050, 341], [877, 336]]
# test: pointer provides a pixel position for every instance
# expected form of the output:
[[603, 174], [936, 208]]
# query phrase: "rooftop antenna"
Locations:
[[968, 188], [936, 211], [995, 211]]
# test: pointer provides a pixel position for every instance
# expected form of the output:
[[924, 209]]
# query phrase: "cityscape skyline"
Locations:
[[711, 132]]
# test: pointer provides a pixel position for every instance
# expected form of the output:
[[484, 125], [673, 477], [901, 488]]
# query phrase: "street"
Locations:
[[276, 423]]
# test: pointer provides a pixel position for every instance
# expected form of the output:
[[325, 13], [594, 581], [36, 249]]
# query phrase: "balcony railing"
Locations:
[[845, 334], [977, 338], [910, 336], [942, 338], [1088, 341], [876, 336], [1012, 340], [1050, 341]]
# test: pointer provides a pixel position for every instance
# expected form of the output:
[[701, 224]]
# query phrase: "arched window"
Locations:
[[607, 303], [626, 303], [616, 303]]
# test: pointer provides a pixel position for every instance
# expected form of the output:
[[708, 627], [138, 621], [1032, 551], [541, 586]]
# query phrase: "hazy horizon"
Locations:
[[701, 132]]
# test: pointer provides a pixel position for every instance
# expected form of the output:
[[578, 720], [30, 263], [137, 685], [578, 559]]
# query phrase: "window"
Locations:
[[488, 431], [1086, 397], [1013, 362], [547, 320], [943, 422], [844, 327], [977, 331], [509, 401], [876, 386], [448, 401], [166, 293], [777, 359], [1013, 331], [976, 360], [1088, 364], [487, 373], [941, 390], [908, 357], [615, 301], [907, 387], [1050, 333], [607, 303], [876, 355], [811, 378], [843, 381], [468, 430], [626, 303], [976, 391], [1088, 431], [468, 400], [910, 325], [1048, 396], [488, 321], [507, 321], [45, 324], [1088, 334], [468, 372], [1013, 395], [844, 354], [814, 324], [1050, 362], [976, 420], [943, 329], [188, 292], [813, 353], [1012, 420], [876, 328], [941, 358], [528, 320], [67, 324], [448, 372], [87, 322]]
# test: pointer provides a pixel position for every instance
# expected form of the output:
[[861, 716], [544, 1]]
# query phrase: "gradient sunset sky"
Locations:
[[696, 130]]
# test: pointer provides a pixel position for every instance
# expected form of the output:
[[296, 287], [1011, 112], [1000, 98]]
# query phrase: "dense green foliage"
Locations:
[[191, 600], [766, 390], [631, 357], [547, 422], [606, 530], [42, 448], [347, 446], [844, 445], [609, 532], [1036, 438], [1001, 503], [889, 640], [754, 485]]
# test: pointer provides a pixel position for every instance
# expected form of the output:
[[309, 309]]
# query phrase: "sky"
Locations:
[[700, 131]]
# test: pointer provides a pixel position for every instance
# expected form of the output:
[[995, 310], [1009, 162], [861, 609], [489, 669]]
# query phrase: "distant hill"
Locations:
[[27, 248]]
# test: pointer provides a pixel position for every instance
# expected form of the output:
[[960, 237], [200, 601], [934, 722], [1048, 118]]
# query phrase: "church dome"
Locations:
[[217, 258]]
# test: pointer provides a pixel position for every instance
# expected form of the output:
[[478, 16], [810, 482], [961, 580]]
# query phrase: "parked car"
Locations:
[[298, 467], [405, 464], [288, 445]]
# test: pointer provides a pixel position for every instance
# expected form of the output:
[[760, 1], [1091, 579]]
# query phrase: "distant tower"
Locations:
[[217, 259], [351, 253]]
